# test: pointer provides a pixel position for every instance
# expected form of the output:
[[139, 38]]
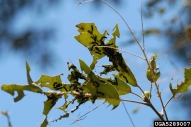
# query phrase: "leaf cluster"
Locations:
[[85, 85]]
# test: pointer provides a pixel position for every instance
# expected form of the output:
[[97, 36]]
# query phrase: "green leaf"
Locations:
[[102, 90], [121, 87], [12, 88], [75, 74], [94, 62], [29, 79], [90, 37], [183, 87], [53, 83], [51, 101], [116, 32], [154, 69], [107, 68], [124, 71], [44, 123], [64, 106], [63, 116]]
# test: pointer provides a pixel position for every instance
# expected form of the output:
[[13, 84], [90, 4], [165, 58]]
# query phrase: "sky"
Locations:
[[64, 17]]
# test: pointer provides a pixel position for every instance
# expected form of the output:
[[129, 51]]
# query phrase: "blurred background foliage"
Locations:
[[23, 43], [177, 33]]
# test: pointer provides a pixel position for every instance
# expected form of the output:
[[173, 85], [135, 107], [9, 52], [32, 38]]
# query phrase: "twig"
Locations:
[[128, 114], [143, 103], [137, 95], [147, 104], [159, 95], [76, 122], [151, 88], [124, 22], [8, 118], [81, 2], [151, 105], [142, 27], [168, 101], [159, 115], [89, 111], [142, 49], [122, 51]]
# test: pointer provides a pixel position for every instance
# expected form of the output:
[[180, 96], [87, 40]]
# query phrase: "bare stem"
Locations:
[[147, 104], [151, 87], [81, 2], [159, 115], [90, 111], [137, 95], [143, 103]]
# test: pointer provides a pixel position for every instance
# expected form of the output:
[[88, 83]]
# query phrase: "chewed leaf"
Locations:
[[29, 79], [125, 72], [122, 87], [19, 96], [116, 32], [100, 89], [12, 88], [94, 62], [107, 68], [64, 106], [51, 101], [183, 87], [44, 123], [63, 116], [75, 74], [49, 81], [90, 37]]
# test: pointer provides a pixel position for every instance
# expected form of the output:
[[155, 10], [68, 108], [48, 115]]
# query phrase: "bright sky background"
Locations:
[[64, 17]]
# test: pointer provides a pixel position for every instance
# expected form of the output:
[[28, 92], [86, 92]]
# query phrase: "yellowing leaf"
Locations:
[[183, 87]]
